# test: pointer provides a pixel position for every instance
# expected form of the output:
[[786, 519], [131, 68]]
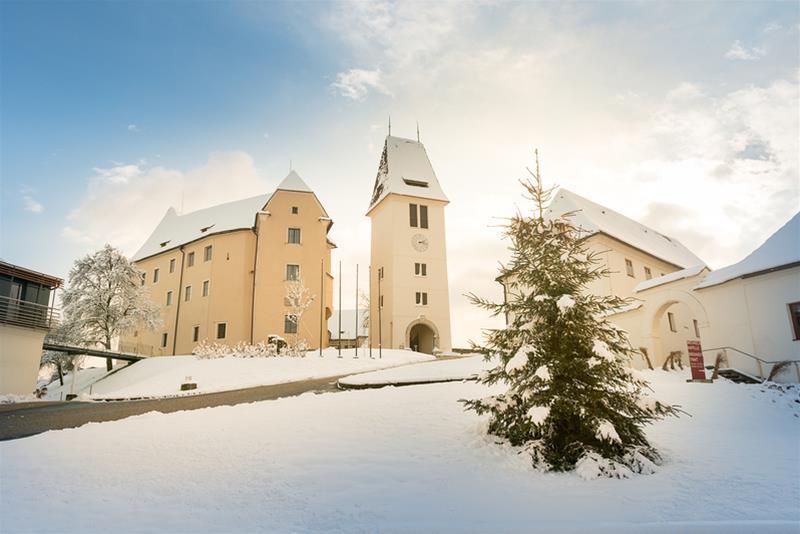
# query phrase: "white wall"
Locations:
[[20, 354]]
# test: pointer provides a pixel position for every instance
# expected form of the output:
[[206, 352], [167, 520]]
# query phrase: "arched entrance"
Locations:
[[671, 317], [422, 336]]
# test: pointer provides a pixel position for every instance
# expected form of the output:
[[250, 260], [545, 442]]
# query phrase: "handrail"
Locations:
[[750, 355], [19, 312], [758, 360], [70, 349]]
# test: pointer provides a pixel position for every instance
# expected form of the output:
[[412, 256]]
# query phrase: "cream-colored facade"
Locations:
[[410, 304], [229, 286]]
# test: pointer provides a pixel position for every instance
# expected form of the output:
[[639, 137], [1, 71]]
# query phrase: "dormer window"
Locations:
[[415, 183], [164, 243], [206, 229]]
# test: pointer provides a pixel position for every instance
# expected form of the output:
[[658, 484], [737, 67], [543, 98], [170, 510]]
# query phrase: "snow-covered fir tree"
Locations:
[[571, 401], [105, 297]]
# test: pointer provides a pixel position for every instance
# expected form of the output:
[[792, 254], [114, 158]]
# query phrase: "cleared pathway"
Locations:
[[27, 419]]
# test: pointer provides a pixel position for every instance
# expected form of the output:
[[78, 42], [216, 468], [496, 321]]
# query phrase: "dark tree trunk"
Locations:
[[60, 373], [109, 364]]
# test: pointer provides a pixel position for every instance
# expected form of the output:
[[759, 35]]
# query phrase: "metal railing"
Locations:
[[760, 362], [28, 314]]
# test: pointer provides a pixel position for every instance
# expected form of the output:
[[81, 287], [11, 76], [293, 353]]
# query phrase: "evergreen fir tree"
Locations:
[[571, 401]]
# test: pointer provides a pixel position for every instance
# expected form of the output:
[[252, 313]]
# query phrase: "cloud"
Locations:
[[133, 128], [32, 204], [122, 204], [740, 52], [355, 84]]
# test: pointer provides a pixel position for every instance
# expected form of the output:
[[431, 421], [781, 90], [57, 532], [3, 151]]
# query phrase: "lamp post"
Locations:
[[356, 330], [340, 308]]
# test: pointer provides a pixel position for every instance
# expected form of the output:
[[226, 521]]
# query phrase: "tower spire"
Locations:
[[390, 124], [417, 131]]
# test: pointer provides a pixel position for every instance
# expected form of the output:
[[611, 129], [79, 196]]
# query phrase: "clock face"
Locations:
[[419, 242]]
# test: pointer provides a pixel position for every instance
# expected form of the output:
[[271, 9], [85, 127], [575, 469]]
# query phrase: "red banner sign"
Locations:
[[696, 360]]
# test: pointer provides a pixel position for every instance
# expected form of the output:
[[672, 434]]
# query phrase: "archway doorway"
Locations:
[[422, 338]]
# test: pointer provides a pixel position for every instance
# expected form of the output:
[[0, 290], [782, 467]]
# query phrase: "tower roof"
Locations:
[[405, 170], [293, 182]]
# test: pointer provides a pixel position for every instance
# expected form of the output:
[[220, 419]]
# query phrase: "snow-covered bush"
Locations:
[[263, 349], [571, 403]]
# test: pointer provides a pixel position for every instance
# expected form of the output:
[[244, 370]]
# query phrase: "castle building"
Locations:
[[220, 274], [410, 306]]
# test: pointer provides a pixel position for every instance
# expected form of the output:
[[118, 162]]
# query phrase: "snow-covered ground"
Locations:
[[455, 369], [83, 383], [401, 459], [163, 376]]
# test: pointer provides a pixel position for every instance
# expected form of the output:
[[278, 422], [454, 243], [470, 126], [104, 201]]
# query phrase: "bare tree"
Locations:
[[298, 300]]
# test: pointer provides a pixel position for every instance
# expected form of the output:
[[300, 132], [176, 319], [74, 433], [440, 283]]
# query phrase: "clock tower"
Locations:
[[410, 301]]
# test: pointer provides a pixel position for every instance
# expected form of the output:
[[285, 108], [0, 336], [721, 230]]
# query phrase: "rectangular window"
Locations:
[[422, 298], [629, 268], [169, 298], [207, 252], [696, 328], [187, 294], [423, 216], [144, 278], [295, 210], [671, 319], [421, 269], [412, 215], [794, 317], [164, 340], [647, 274], [195, 333], [381, 301], [294, 236], [205, 288], [190, 259], [290, 324], [172, 265], [292, 272], [222, 330], [155, 276]]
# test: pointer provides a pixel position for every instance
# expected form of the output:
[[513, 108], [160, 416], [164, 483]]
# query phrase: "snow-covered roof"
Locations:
[[405, 170], [348, 324], [293, 182], [671, 277], [175, 230], [593, 218], [634, 305], [780, 250]]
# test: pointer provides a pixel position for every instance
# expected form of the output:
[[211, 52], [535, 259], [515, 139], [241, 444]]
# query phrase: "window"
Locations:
[[290, 324], [155, 276], [164, 340], [671, 319], [190, 259], [415, 183], [422, 299], [144, 278], [169, 298], [207, 252], [421, 269], [222, 329], [380, 273], [295, 210], [381, 301], [696, 328], [205, 288], [647, 274], [629, 267], [294, 236], [195, 333], [172, 265], [423, 216], [794, 317], [412, 215], [292, 272], [187, 294]]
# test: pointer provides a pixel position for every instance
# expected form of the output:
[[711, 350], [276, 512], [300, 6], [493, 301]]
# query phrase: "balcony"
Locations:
[[27, 314]]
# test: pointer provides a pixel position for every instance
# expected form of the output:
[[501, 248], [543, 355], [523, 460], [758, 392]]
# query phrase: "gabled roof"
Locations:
[[593, 218], [175, 230], [293, 182], [781, 250], [405, 170]]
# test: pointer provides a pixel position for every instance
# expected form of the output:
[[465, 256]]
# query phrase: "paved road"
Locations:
[[27, 419]]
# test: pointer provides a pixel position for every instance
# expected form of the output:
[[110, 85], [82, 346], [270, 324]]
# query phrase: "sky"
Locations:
[[684, 116]]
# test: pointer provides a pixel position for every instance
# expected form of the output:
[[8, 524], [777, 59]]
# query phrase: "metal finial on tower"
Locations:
[[390, 125], [417, 131]]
